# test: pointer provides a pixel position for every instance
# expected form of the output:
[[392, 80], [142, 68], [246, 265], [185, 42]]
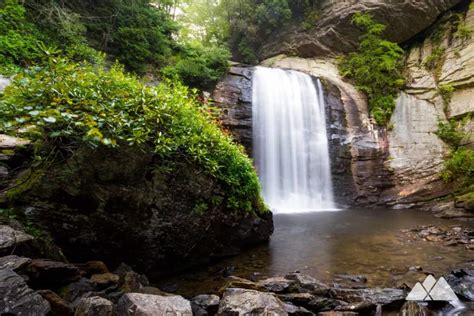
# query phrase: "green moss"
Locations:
[[24, 183], [376, 68], [446, 92]]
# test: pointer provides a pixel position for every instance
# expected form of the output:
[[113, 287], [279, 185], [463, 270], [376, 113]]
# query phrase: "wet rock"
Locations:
[[250, 302], [59, 307], [94, 306], [306, 283], [9, 142], [104, 280], [208, 303], [13, 262], [236, 282], [92, 267], [376, 296], [462, 283], [132, 282], [299, 299], [11, 238], [352, 278], [75, 290], [18, 299], [151, 305], [321, 304], [297, 310], [51, 273], [276, 284]]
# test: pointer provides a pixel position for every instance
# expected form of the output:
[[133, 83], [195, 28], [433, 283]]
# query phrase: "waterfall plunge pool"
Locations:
[[326, 244]]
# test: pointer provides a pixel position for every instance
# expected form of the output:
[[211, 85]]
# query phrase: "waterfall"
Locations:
[[290, 144]]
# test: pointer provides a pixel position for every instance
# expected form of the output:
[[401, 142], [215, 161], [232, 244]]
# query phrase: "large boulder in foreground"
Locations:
[[16, 298], [150, 305], [127, 205], [250, 302]]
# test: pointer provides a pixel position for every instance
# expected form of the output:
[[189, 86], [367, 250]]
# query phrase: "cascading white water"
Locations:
[[290, 143]]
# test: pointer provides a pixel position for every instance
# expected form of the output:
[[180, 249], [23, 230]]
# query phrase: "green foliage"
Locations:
[[460, 167], [198, 66], [451, 133], [19, 39], [63, 106], [446, 91], [435, 60], [376, 67], [463, 30]]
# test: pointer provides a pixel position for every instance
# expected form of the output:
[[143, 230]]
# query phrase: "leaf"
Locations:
[[49, 119]]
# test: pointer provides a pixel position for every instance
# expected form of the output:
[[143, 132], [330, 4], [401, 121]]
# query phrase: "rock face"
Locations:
[[125, 208], [233, 96], [334, 33]]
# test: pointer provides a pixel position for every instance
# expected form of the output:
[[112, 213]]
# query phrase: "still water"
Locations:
[[325, 244]]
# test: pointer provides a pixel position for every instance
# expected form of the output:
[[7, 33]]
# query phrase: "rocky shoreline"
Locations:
[[34, 286]]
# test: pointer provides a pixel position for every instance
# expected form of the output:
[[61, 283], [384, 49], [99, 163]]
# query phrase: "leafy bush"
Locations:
[[63, 106], [199, 67], [450, 132], [19, 39], [376, 67], [460, 167]]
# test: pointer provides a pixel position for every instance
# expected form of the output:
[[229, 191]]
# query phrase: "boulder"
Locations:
[[48, 273], [236, 282], [306, 283], [92, 267], [299, 299], [11, 238], [297, 310], [59, 307], [250, 302], [377, 296], [94, 306], [18, 299], [276, 284], [462, 283], [104, 280], [76, 290], [151, 305], [207, 303], [320, 304], [144, 214], [13, 262]]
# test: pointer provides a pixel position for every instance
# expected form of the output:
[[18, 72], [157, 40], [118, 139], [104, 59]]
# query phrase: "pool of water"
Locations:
[[325, 244]]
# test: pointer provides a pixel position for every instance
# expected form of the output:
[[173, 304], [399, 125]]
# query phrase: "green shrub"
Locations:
[[63, 106], [450, 132], [199, 67], [460, 167], [19, 39], [446, 92], [376, 68]]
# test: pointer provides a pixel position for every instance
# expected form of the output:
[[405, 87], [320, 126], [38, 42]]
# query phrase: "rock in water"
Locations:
[[250, 302], [152, 305], [16, 298], [94, 306]]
